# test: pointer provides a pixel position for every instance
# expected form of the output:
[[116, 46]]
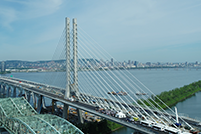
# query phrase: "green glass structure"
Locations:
[[17, 116]]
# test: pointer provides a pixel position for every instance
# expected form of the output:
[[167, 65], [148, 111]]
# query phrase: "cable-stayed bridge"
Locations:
[[107, 89]]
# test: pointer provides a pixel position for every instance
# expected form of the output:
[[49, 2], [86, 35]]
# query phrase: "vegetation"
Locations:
[[113, 126], [5, 72], [102, 127], [171, 98]]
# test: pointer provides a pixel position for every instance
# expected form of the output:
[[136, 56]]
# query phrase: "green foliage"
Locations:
[[101, 127], [174, 96], [5, 72], [113, 125]]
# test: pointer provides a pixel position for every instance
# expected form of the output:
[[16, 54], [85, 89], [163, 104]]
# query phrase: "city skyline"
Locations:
[[60, 65], [155, 31]]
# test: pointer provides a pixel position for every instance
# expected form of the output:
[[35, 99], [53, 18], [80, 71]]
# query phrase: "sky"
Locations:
[[138, 30]]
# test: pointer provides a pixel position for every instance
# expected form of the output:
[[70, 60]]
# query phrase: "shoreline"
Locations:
[[106, 69], [172, 97], [116, 129]]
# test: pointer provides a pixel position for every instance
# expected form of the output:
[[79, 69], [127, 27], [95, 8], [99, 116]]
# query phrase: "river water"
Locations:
[[157, 80]]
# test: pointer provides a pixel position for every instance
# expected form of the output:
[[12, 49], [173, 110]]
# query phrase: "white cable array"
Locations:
[[106, 88], [152, 104], [129, 89], [88, 75], [59, 53], [133, 100], [86, 51]]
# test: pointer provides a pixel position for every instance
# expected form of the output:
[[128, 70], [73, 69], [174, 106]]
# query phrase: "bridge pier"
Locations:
[[27, 95], [8, 91], [43, 102], [39, 103], [53, 106], [14, 92], [3, 91], [80, 118], [65, 111], [20, 92], [34, 99]]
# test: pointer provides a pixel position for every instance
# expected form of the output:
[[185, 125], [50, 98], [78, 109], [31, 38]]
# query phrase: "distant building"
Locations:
[[3, 66], [148, 63], [129, 62], [112, 60], [136, 63]]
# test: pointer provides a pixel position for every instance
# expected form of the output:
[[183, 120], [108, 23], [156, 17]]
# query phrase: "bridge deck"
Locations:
[[52, 93]]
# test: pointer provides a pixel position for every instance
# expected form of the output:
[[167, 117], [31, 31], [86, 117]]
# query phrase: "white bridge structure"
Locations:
[[108, 91]]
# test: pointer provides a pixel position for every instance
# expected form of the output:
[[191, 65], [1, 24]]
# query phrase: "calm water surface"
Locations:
[[157, 80]]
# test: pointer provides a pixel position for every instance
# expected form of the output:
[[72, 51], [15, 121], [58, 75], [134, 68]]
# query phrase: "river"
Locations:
[[157, 80]]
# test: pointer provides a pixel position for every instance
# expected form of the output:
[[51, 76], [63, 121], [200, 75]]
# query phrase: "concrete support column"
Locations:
[[34, 100], [20, 92], [53, 106], [14, 92], [43, 102], [8, 91], [27, 95], [80, 118], [39, 103], [3, 92], [66, 111], [0, 88]]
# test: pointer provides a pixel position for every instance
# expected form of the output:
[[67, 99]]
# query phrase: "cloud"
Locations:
[[38, 8], [142, 22], [12, 10], [7, 16]]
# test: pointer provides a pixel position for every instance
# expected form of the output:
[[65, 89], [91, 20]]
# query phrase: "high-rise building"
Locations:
[[129, 62], [136, 63], [3, 66], [148, 63], [112, 61]]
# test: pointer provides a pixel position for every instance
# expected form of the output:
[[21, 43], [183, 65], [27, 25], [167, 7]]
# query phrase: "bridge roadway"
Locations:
[[86, 107], [80, 105]]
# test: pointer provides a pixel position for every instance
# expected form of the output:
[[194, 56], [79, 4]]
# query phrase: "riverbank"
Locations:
[[113, 126], [172, 97], [5, 72]]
